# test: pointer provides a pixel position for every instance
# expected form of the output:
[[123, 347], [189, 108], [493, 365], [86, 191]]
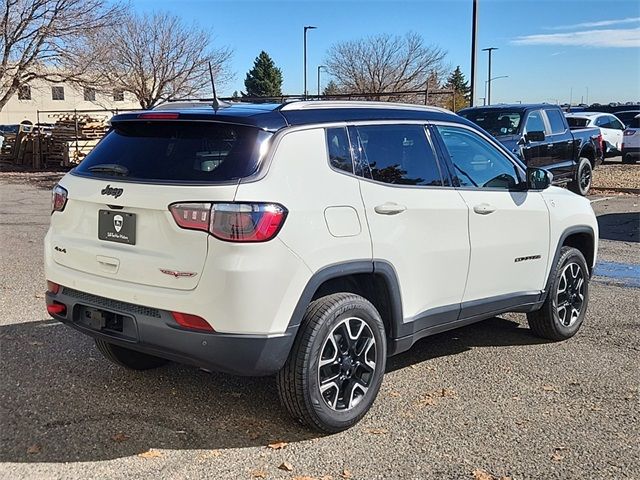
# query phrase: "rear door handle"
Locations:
[[484, 209], [389, 208]]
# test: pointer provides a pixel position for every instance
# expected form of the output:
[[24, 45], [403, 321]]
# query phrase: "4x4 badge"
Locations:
[[177, 274], [109, 190]]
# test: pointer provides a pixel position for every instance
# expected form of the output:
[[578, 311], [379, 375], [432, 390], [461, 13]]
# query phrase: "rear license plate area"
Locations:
[[117, 226]]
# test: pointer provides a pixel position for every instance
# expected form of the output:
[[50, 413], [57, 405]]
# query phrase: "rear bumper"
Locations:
[[632, 151], [155, 332]]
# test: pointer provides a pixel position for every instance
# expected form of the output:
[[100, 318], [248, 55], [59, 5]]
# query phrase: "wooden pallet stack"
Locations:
[[64, 144]]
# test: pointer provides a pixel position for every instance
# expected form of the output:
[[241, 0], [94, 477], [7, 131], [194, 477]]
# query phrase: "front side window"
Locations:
[[399, 154], [535, 122], [339, 149], [476, 162], [57, 93], [556, 121]]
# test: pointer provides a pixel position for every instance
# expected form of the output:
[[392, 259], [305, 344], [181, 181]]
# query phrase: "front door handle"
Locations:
[[484, 209], [390, 208]]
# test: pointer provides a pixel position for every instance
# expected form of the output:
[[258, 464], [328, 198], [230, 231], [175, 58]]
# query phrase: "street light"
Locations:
[[307, 27], [490, 49], [488, 82], [320, 67]]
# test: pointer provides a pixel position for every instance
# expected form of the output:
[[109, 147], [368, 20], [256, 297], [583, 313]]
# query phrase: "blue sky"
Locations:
[[547, 48]]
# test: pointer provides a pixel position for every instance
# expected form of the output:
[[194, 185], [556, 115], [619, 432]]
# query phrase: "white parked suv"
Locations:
[[631, 142], [309, 240]]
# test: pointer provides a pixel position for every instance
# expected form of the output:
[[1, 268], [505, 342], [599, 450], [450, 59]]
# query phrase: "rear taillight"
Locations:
[[159, 116], [192, 322], [232, 222], [58, 199]]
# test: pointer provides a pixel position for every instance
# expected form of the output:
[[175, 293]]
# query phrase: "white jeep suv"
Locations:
[[310, 240]]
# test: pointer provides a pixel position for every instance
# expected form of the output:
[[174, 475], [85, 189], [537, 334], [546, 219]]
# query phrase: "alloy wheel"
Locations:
[[570, 294], [347, 364]]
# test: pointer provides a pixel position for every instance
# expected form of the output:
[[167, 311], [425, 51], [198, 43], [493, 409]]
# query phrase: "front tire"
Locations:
[[584, 176], [335, 368], [563, 312], [128, 358]]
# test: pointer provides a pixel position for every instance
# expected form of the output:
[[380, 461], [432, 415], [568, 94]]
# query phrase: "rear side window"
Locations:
[[399, 154], [339, 149], [556, 121], [577, 122], [176, 152]]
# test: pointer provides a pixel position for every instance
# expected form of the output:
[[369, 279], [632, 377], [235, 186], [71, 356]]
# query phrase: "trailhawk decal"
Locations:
[[530, 257], [177, 274]]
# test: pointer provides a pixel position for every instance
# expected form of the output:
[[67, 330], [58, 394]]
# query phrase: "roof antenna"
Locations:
[[216, 103]]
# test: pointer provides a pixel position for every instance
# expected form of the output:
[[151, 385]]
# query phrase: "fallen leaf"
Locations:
[[447, 393], [550, 388], [480, 474], [120, 437], [394, 394], [36, 343], [151, 453], [378, 431], [39, 295], [556, 457], [277, 445], [414, 366], [286, 466], [211, 454], [259, 474], [346, 474], [34, 449]]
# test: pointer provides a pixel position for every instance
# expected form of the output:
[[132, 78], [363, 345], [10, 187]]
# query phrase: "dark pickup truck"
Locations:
[[540, 136]]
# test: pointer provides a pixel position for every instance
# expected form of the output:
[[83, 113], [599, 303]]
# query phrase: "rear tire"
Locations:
[[564, 309], [626, 158], [335, 368], [584, 176], [128, 358]]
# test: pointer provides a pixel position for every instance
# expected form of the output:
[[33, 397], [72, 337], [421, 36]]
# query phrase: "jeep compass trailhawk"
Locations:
[[309, 240]]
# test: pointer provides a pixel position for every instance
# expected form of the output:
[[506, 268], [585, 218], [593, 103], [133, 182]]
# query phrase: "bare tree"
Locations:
[[40, 39], [156, 57], [385, 63]]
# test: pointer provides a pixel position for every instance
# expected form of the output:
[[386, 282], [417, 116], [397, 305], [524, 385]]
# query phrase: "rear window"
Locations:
[[176, 152], [635, 123], [577, 122], [496, 122]]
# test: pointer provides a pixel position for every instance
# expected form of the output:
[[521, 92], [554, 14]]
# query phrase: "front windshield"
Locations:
[[496, 122]]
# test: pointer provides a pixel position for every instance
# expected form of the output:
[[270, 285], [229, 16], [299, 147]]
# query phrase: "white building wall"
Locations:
[[16, 111]]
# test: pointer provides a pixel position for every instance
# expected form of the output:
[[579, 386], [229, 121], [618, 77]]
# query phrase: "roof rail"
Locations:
[[313, 105]]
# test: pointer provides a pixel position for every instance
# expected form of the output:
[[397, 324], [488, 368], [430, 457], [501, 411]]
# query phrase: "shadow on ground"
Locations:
[[60, 398], [623, 227]]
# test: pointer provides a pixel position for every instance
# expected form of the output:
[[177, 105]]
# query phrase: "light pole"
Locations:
[[474, 29], [488, 82], [320, 67], [306, 27], [490, 49]]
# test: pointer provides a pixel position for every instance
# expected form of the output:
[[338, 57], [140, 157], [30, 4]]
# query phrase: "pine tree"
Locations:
[[264, 79], [460, 86], [236, 95], [331, 88]]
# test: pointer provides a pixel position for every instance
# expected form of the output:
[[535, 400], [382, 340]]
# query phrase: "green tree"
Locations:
[[460, 86], [331, 89], [264, 79]]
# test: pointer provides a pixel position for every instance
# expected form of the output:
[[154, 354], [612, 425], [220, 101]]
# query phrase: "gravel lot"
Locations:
[[488, 398]]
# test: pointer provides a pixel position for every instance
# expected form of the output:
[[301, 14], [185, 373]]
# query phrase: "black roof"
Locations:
[[272, 117]]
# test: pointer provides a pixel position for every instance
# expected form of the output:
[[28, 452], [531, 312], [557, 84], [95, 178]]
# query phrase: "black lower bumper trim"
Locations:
[[249, 355]]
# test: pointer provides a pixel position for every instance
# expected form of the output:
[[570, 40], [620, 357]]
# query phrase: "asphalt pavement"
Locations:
[[488, 398]]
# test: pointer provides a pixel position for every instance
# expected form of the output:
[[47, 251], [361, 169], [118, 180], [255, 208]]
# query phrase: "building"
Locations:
[[60, 97]]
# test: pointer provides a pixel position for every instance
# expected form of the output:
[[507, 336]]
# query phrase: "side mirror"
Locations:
[[538, 178], [537, 136]]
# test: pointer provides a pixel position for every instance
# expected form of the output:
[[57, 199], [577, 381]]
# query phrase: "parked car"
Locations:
[[610, 127], [540, 136], [627, 116], [309, 240], [631, 142]]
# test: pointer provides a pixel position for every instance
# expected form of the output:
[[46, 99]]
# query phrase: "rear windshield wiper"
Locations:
[[110, 168]]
